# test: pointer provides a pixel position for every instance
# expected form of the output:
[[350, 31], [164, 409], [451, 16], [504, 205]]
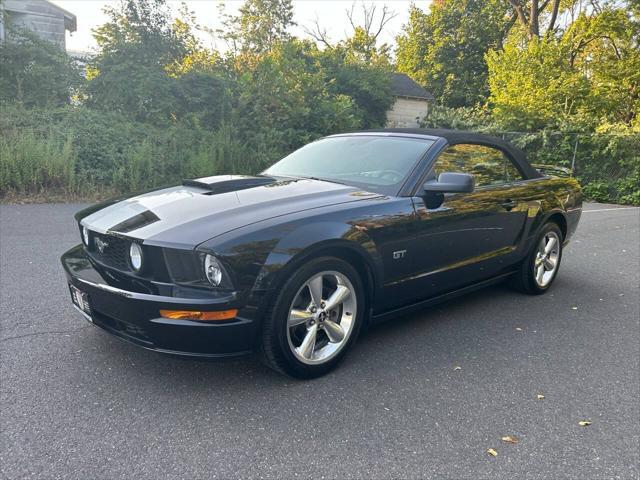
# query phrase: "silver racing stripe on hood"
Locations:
[[109, 219], [185, 216]]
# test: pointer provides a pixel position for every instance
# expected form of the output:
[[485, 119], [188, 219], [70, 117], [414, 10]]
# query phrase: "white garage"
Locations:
[[412, 102]]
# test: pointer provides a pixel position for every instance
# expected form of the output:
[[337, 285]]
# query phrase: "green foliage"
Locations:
[[534, 86], [369, 86], [607, 165], [286, 88], [202, 97], [259, 25], [78, 151], [610, 163], [463, 118], [157, 107], [31, 164], [138, 45], [361, 48], [584, 76], [607, 50], [35, 72], [444, 49]]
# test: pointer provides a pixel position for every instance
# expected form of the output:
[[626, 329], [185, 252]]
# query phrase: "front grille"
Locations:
[[114, 252]]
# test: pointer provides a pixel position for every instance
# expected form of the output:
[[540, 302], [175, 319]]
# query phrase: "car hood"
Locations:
[[187, 215]]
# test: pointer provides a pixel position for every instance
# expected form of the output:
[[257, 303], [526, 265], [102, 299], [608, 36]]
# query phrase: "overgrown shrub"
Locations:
[[78, 151]]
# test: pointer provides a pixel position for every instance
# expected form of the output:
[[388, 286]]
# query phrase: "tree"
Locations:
[[529, 16], [35, 72], [139, 45], [285, 98], [585, 74], [259, 26], [362, 45], [444, 49], [369, 86], [533, 85], [606, 48]]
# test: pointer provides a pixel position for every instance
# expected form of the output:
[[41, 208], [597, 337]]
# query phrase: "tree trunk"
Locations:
[[554, 15], [534, 20]]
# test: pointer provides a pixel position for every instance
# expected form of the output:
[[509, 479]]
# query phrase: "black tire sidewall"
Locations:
[[277, 350]]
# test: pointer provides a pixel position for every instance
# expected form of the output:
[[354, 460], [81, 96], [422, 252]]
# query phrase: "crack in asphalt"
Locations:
[[52, 332]]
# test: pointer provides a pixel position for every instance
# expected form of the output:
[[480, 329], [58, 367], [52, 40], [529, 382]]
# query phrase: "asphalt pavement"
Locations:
[[418, 397]]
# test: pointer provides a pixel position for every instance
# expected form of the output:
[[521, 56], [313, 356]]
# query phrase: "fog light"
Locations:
[[135, 256]]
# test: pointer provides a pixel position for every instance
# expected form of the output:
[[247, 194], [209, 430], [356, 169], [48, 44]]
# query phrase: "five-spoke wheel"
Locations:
[[540, 268], [314, 319], [321, 317], [546, 262]]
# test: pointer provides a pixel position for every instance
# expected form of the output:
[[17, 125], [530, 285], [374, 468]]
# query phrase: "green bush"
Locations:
[[32, 164], [77, 151], [607, 165], [81, 152]]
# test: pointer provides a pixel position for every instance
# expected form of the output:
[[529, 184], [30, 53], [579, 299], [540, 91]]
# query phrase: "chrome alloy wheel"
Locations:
[[546, 261], [321, 317]]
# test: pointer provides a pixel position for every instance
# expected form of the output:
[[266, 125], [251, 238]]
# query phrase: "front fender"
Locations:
[[310, 240]]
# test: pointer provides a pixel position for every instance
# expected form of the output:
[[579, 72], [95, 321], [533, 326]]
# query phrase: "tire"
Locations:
[[529, 278], [293, 321]]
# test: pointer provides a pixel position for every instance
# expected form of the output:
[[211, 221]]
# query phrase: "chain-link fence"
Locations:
[[607, 165]]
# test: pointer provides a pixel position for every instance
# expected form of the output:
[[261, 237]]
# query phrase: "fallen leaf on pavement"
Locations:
[[492, 452], [584, 423], [509, 439]]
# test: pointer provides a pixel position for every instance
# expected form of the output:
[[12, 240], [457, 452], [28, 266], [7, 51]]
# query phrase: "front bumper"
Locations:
[[135, 316]]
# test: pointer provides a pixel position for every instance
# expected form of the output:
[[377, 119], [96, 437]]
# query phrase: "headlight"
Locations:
[[85, 236], [135, 256], [213, 270]]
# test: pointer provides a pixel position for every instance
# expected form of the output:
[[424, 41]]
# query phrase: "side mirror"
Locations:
[[450, 182]]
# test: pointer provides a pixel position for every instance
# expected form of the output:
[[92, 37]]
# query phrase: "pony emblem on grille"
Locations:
[[101, 244]]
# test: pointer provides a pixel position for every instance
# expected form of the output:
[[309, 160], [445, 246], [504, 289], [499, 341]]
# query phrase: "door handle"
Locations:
[[509, 205]]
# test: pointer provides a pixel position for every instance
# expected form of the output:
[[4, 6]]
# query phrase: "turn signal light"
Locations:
[[197, 315]]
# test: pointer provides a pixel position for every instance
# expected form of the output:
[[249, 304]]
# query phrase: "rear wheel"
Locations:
[[314, 319], [538, 271]]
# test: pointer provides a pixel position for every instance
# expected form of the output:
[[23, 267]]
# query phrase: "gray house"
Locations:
[[45, 19], [412, 102]]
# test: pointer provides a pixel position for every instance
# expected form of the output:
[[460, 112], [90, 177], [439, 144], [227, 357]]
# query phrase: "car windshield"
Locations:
[[376, 163]]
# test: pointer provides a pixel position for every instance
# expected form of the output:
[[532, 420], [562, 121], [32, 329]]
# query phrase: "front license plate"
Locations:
[[81, 301]]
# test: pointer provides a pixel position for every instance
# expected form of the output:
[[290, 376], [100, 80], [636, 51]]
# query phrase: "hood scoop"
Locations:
[[228, 183]]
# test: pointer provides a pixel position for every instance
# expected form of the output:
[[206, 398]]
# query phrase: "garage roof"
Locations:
[[403, 86]]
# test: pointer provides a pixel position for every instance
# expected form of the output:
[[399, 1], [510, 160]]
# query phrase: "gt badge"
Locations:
[[399, 254]]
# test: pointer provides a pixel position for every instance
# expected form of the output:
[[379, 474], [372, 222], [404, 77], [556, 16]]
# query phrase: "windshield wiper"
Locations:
[[323, 180]]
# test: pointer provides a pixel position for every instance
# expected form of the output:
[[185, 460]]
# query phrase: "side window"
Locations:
[[489, 166]]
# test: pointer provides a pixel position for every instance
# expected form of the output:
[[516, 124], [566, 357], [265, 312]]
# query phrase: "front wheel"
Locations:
[[538, 271], [314, 319]]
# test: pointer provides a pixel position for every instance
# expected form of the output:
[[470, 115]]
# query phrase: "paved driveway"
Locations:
[[78, 403]]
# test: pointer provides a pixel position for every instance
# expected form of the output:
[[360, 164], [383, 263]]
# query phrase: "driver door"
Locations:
[[470, 236]]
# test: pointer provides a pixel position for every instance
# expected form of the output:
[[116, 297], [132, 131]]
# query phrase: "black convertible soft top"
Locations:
[[454, 137]]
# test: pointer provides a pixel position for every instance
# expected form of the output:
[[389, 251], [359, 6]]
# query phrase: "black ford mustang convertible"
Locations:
[[344, 232]]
